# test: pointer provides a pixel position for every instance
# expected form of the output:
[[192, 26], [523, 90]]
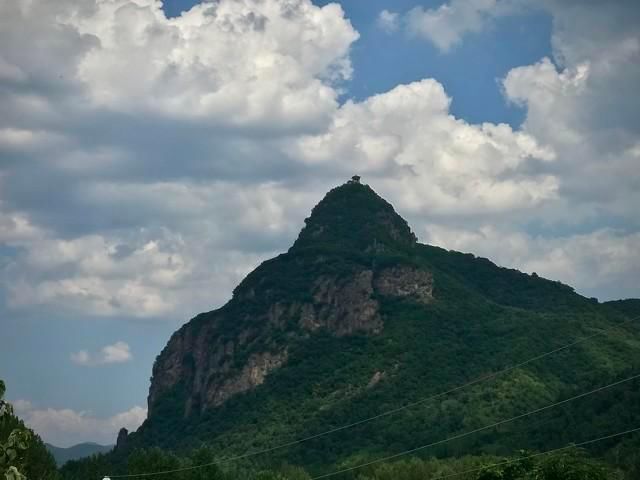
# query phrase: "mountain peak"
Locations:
[[354, 216]]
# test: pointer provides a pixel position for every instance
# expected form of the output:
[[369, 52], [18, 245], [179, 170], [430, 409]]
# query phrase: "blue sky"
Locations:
[[142, 175]]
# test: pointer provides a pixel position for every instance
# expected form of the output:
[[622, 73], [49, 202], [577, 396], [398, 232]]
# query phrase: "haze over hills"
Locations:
[[357, 319], [63, 455]]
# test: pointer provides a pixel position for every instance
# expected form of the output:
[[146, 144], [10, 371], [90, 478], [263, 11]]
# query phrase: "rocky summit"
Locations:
[[358, 318]]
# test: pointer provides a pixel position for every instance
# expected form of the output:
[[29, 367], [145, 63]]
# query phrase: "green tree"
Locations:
[[510, 471], [203, 456], [14, 446], [566, 466], [570, 466], [22, 452]]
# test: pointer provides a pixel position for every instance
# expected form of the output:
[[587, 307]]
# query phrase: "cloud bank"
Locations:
[[147, 164]]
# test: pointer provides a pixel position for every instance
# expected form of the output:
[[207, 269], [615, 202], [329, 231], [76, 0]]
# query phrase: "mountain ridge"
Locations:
[[75, 452]]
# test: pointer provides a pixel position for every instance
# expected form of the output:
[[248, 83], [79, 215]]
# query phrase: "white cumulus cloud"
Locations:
[[446, 25], [428, 161], [119, 352], [585, 107], [388, 21]]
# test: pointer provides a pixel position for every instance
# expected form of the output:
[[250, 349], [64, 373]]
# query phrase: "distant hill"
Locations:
[[81, 450], [630, 307]]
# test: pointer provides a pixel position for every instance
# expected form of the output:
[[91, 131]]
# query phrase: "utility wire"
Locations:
[[548, 452], [477, 430], [406, 452], [398, 409]]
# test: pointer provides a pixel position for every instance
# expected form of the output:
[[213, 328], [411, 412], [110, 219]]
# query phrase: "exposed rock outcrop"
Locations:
[[405, 281], [343, 307], [123, 436], [375, 379], [253, 374]]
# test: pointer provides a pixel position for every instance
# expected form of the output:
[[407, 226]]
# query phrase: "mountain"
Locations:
[[81, 450], [357, 318]]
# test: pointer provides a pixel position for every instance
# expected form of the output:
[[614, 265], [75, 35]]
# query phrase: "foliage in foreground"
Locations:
[[22, 453]]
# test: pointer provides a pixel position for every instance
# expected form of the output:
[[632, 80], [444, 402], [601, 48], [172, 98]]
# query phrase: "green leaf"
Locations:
[[13, 474], [6, 410], [19, 439]]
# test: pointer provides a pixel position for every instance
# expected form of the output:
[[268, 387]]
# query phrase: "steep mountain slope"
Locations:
[[357, 318]]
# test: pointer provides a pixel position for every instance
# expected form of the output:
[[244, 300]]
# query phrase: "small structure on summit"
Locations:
[[354, 179]]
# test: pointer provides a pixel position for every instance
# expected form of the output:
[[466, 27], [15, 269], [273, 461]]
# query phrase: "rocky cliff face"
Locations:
[[320, 284], [406, 282], [204, 362]]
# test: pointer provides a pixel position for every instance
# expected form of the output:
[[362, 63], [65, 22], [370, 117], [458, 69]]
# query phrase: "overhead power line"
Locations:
[[548, 452], [477, 430], [412, 404], [406, 452]]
